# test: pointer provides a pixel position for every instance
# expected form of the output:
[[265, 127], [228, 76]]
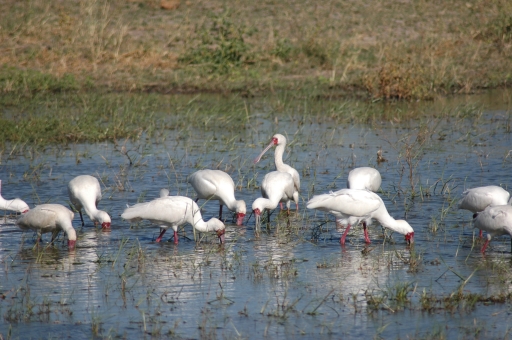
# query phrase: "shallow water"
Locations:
[[292, 281]]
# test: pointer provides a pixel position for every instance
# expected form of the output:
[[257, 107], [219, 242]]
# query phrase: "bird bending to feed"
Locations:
[[495, 220], [172, 212], [364, 178], [351, 206], [479, 198], [280, 142], [218, 185], [46, 218], [276, 187], [14, 204], [84, 193]]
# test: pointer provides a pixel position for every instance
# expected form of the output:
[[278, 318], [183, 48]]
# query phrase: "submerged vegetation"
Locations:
[[377, 49]]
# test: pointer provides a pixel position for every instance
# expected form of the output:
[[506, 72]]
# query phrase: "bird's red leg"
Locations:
[[342, 239], [162, 232], [175, 237], [365, 230], [481, 234], [484, 246]]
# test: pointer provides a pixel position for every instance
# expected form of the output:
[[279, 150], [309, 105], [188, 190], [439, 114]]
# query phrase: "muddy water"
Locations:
[[292, 281]]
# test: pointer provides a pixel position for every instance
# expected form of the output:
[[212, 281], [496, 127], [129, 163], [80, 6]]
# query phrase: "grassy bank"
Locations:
[[379, 49]]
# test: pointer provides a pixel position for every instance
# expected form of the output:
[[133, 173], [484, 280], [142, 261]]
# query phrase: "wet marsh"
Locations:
[[292, 281]]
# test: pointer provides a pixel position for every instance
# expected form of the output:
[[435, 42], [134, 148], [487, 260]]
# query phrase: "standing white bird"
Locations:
[[495, 220], [353, 206], [364, 178], [84, 193], [477, 199], [276, 187], [46, 218], [280, 142], [218, 185], [14, 204], [172, 212]]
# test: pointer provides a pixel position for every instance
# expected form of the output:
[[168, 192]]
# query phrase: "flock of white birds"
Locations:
[[356, 204]]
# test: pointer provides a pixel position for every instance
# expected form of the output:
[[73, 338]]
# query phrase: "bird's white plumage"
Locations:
[[276, 187], [46, 218], [15, 204], [477, 199], [352, 206], [218, 185], [364, 178], [172, 212], [84, 193], [280, 142], [495, 220]]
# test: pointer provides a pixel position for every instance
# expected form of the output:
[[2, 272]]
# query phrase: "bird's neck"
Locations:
[[278, 156], [231, 203], [70, 231], [269, 203], [197, 220], [92, 211], [203, 226]]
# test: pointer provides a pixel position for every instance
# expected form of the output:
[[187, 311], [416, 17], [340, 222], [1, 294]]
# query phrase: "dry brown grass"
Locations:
[[388, 49]]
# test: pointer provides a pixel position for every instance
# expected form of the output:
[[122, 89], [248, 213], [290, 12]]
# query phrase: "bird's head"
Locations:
[[278, 139], [409, 238], [71, 244], [257, 214], [104, 220], [241, 211], [218, 227]]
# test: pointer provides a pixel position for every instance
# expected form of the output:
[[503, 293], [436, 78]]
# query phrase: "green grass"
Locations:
[[378, 49]]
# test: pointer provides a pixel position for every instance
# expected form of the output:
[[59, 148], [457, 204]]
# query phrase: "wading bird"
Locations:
[[477, 199], [218, 185], [276, 187], [46, 218], [172, 212], [84, 193], [352, 206], [14, 204], [495, 220], [280, 142]]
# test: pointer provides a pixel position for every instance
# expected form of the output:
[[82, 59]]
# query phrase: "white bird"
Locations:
[[495, 220], [14, 204], [280, 142], [46, 218], [172, 212], [276, 187], [84, 193], [364, 178], [218, 185], [352, 206], [477, 199]]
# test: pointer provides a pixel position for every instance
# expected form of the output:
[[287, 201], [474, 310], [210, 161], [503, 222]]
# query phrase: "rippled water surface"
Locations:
[[292, 281]]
